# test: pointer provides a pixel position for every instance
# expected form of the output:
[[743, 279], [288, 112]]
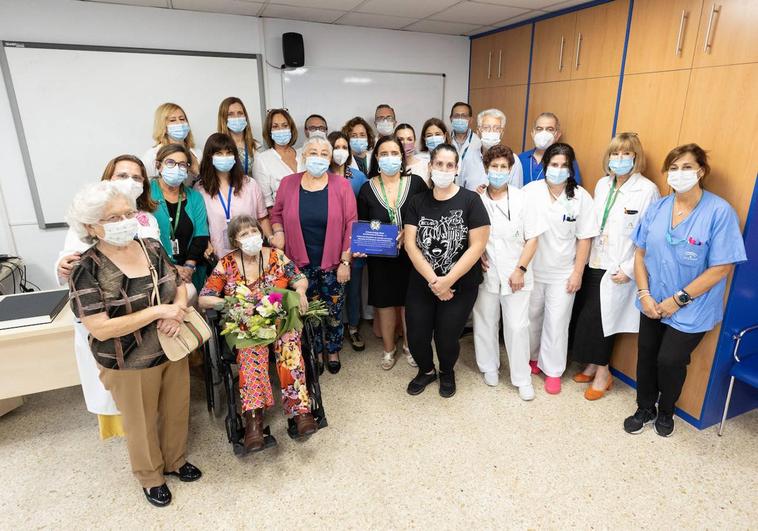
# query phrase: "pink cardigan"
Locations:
[[340, 217]]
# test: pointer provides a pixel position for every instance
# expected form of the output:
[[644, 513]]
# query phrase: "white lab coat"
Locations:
[[613, 250], [472, 143], [472, 173]]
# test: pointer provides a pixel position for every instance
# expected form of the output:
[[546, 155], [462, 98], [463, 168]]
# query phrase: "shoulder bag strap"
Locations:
[[156, 298]]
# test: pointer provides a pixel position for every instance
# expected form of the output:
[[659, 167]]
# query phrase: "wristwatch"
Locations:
[[682, 298], [345, 262], [522, 268]]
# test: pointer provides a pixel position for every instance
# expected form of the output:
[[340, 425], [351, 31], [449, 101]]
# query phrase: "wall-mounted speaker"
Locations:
[[293, 50]]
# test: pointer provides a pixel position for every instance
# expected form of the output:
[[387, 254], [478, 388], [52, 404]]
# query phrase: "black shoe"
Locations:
[[158, 496], [419, 383], [664, 425], [637, 422], [333, 366], [187, 472], [447, 384], [355, 339]]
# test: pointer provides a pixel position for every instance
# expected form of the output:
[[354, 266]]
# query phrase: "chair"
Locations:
[[745, 369]]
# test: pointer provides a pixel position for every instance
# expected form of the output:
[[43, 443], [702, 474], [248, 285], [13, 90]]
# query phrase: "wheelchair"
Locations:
[[220, 373]]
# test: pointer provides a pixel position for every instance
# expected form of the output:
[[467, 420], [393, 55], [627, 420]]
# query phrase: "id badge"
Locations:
[[601, 249], [175, 247], [225, 238]]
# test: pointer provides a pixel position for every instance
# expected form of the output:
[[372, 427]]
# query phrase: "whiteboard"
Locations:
[[340, 94], [77, 107]]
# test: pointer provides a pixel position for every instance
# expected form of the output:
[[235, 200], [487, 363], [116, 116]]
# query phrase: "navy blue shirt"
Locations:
[[533, 170], [313, 216]]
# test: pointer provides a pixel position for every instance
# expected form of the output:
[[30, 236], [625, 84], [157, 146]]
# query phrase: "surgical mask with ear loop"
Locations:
[[682, 180], [120, 233], [251, 245]]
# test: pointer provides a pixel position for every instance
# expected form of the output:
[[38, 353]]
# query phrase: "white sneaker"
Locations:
[[526, 392], [409, 357], [388, 360], [491, 378]]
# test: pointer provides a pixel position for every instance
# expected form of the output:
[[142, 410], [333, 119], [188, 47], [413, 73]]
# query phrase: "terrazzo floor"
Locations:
[[481, 460]]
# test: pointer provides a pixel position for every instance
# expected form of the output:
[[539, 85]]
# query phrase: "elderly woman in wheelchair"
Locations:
[[260, 269]]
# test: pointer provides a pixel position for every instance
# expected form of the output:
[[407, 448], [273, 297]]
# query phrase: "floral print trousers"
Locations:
[[323, 285], [254, 381]]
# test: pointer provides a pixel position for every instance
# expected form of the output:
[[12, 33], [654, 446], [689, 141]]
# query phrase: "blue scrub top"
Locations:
[[356, 178], [708, 237], [533, 170]]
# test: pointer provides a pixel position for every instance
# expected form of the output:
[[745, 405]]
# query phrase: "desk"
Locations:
[[37, 358]]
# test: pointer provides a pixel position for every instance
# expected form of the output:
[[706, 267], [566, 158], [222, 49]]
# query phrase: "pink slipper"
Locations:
[[552, 385], [533, 365]]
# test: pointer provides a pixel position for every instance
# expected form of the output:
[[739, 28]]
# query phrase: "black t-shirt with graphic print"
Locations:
[[442, 230]]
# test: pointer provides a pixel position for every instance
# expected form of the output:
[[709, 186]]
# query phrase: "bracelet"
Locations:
[[345, 262], [642, 296], [277, 231], [643, 290], [193, 267]]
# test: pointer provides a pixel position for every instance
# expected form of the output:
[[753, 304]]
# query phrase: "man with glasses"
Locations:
[[464, 139], [384, 120], [546, 132]]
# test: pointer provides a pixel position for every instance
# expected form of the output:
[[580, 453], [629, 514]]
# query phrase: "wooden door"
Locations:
[[482, 52], [510, 100], [553, 48], [599, 40], [549, 97], [512, 63], [481, 99], [728, 33], [663, 35]]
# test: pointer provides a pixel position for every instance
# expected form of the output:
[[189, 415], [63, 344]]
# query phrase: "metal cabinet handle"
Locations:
[[489, 64], [499, 63], [714, 9], [578, 48], [682, 21], [560, 56]]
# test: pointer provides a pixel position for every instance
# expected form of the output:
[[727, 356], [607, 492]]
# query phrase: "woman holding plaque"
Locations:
[[385, 198]]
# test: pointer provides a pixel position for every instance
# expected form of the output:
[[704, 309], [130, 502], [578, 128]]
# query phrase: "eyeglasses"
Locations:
[[461, 115], [123, 175], [491, 129], [313, 128], [118, 217], [170, 163], [285, 109]]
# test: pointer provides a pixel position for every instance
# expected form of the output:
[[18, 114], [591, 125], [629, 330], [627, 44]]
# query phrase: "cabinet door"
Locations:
[[553, 48], [652, 105], [512, 61], [480, 99], [727, 33], [482, 52], [548, 97], [663, 35], [599, 40], [510, 100]]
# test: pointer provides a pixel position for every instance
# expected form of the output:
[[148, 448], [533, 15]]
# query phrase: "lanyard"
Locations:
[[247, 170], [172, 228], [392, 211], [260, 266], [468, 142], [609, 202], [531, 169], [228, 206], [508, 203]]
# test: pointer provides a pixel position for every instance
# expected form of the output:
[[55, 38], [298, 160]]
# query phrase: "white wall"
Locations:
[[74, 22]]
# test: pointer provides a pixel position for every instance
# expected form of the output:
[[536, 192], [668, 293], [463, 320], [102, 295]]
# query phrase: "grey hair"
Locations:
[[239, 223], [317, 140], [88, 206], [495, 113], [549, 115]]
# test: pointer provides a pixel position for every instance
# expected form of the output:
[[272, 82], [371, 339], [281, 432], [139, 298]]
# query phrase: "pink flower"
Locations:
[[274, 297]]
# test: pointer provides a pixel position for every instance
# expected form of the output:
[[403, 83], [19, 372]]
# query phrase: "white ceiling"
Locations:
[[450, 17]]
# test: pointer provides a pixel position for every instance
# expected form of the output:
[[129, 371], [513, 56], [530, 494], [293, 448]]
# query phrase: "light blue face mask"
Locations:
[[178, 131], [621, 166], [359, 145], [282, 137], [433, 141], [556, 175], [498, 179], [173, 176], [390, 164], [316, 166], [460, 125], [236, 125], [223, 163]]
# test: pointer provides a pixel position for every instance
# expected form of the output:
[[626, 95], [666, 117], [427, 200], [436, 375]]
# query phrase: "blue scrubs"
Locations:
[[708, 237], [533, 169]]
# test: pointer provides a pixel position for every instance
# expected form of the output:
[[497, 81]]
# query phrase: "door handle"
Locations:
[[499, 62], [560, 56], [714, 9], [489, 64], [578, 49], [682, 22]]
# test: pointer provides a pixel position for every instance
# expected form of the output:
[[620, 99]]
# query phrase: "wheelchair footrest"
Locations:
[[269, 441], [294, 435]]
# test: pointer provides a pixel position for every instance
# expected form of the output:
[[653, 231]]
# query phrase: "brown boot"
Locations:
[[254, 430], [306, 424]]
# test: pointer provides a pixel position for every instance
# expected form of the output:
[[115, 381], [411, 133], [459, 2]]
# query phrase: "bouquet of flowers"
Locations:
[[249, 321]]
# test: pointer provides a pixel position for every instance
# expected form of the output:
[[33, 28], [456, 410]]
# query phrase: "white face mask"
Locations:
[[490, 138], [120, 233], [316, 134], [251, 245], [340, 156], [543, 139], [129, 187], [442, 179], [385, 127], [682, 180]]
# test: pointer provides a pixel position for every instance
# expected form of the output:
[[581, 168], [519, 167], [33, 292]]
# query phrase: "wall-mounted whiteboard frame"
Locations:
[[19, 125]]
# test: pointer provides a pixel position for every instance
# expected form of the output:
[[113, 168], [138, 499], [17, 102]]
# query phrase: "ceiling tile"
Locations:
[[404, 8], [146, 3], [230, 7], [519, 18], [343, 5], [436, 26], [481, 29], [555, 6], [476, 13], [375, 21], [302, 13], [526, 4]]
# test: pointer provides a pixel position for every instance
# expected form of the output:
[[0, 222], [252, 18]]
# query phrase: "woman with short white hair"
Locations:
[[312, 219], [111, 292]]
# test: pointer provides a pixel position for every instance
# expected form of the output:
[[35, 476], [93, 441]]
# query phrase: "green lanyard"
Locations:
[[392, 211], [172, 228], [609, 202]]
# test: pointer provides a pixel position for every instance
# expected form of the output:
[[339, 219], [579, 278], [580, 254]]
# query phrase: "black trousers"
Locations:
[[428, 317], [590, 345], [663, 354]]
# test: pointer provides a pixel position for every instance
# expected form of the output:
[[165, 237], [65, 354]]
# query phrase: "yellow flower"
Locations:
[[290, 356]]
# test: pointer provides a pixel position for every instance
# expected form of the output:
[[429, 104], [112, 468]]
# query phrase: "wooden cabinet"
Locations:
[[482, 50], [553, 49], [727, 33], [512, 48], [510, 100], [663, 35], [548, 97], [599, 40]]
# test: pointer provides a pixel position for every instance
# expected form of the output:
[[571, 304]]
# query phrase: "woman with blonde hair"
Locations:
[[606, 304], [234, 121], [171, 126]]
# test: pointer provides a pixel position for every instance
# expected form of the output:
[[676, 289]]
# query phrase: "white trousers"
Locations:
[[549, 317], [515, 312]]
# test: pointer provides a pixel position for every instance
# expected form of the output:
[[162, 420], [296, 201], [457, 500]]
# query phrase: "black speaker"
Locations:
[[293, 50]]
